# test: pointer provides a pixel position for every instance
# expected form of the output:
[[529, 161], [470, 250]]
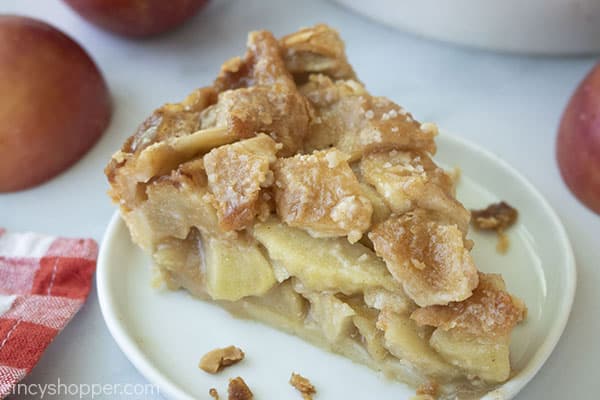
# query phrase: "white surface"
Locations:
[[6, 303], [531, 26], [27, 244], [508, 104], [539, 268]]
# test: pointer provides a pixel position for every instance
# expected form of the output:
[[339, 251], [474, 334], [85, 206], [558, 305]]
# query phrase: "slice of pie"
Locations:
[[286, 193]]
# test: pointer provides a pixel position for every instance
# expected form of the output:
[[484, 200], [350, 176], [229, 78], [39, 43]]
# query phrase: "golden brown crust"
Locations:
[[168, 121], [236, 174], [217, 359], [410, 167], [489, 312], [316, 50], [409, 180], [238, 390], [320, 193], [427, 257], [303, 385], [262, 65], [258, 94], [279, 111], [353, 121], [171, 120]]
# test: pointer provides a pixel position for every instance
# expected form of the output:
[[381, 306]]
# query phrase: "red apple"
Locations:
[[136, 17], [54, 104], [578, 142]]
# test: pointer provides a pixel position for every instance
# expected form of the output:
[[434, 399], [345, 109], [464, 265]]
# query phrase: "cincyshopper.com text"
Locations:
[[61, 390]]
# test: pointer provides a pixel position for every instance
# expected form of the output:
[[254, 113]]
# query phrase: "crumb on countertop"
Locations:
[[303, 385], [215, 360], [238, 390]]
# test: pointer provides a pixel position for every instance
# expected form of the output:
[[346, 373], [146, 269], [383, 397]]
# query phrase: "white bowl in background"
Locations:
[[524, 26]]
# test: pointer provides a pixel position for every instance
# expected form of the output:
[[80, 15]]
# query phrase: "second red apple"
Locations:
[[136, 18]]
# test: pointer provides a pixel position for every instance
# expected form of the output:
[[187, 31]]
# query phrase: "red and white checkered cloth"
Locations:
[[44, 281]]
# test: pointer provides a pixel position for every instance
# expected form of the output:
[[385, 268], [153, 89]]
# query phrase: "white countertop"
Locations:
[[506, 103]]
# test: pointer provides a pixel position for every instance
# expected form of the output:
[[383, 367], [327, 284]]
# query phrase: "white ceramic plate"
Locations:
[[165, 333]]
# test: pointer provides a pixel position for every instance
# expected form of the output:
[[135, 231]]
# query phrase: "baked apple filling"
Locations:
[[288, 194]]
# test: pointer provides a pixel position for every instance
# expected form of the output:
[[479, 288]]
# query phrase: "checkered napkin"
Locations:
[[44, 280]]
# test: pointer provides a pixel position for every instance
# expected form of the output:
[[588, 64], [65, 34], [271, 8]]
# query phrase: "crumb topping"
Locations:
[[217, 359], [213, 393], [303, 385]]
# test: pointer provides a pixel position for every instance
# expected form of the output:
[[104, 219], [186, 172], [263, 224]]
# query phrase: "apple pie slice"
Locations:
[[286, 193]]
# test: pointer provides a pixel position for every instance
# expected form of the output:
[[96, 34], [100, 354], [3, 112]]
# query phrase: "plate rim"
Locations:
[[508, 390]]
